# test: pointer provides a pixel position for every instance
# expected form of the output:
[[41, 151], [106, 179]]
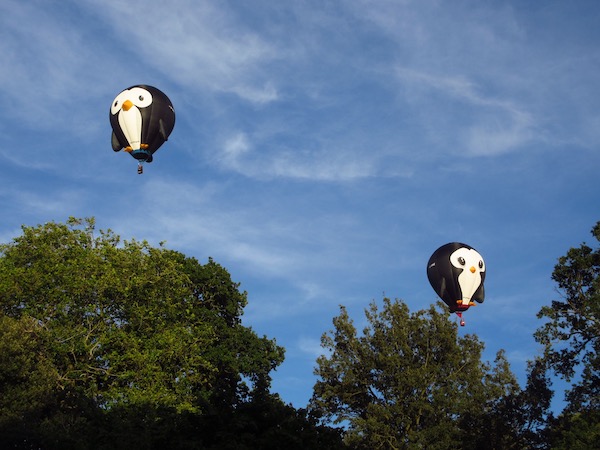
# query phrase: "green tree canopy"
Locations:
[[571, 339], [122, 341], [571, 335], [409, 381]]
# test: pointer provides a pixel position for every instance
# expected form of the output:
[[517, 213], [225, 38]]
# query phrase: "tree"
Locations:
[[517, 419], [113, 344], [571, 339], [410, 382], [27, 378], [572, 334]]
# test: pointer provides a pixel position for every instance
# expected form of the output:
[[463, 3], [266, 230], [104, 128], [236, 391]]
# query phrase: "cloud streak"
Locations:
[[241, 155], [207, 49], [499, 125]]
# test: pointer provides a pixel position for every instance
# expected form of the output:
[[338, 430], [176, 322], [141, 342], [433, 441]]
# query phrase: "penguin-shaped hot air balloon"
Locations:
[[142, 118], [456, 272]]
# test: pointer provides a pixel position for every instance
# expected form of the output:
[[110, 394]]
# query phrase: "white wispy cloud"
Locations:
[[198, 44], [46, 80], [498, 125], [267, 160], [234, 148], [311, 347], [55, 203]]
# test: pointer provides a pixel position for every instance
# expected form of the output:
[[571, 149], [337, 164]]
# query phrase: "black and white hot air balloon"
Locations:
[[142, 118], [456, 272]]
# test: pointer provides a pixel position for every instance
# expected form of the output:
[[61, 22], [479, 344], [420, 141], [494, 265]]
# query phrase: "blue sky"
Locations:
[[322, 150]]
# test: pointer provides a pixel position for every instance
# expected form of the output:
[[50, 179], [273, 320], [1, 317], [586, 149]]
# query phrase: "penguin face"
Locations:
[[136, 96], [469, 268]]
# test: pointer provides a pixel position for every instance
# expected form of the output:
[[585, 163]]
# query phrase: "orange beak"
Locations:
[[472, 269], [127, 104]]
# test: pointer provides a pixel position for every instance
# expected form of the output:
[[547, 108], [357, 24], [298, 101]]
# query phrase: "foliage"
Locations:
[[572, 334], [110, 344], [571, 339], [576, 431], [410, 382], [107, 345], [517, 419]]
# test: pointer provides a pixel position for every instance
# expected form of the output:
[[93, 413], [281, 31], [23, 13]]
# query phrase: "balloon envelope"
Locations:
[[456, 272], [142, 118]]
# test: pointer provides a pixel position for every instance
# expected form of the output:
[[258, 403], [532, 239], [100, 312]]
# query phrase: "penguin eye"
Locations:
[[117, 102], [480, 264], [142, 98], [461, 260]]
